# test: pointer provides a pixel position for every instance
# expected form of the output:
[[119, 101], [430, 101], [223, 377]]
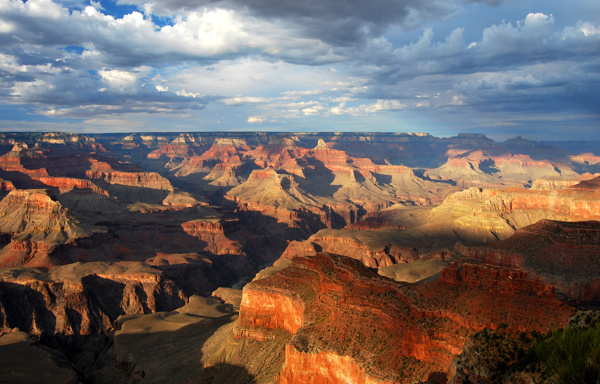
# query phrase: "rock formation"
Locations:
[[565, 255], [348, 323], [104, 171], [82, 298], [37, 225], [131, 224], [475, 215]]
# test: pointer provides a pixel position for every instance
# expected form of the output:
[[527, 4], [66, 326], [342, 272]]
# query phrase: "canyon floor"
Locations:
[[233, 257]]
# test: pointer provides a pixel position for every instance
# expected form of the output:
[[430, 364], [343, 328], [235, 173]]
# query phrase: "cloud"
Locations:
[[334, 22], [501, 46], [258, 119], [120, 81], [203, 35], [278, 60], [239, 100]]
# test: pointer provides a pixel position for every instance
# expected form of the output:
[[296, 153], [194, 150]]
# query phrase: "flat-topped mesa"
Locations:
[[36, 201], [151, 180], [67, 183], [265, 173], [348, 323], [562, 254]]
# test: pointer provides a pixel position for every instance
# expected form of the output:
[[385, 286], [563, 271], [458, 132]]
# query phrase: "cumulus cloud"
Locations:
[[504, 45], [277, 60], [206, 34], [119, 81], [332, 21]]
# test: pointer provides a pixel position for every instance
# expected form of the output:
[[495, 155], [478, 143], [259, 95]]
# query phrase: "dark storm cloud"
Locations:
[[337, 22]]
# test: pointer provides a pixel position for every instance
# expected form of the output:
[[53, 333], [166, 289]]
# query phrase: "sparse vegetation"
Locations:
[[572, 353]]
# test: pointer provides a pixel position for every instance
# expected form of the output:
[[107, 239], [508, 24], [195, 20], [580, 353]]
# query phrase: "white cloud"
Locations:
[[384, 105], [119, 81], [313, 110], [81, 61], [9, 64], [257, 119], [238, 100], [586, 29]]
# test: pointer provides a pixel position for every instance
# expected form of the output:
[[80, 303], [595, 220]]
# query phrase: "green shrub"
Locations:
[[572, 353]]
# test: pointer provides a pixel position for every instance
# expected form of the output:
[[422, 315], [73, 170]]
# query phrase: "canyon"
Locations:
[[363, 257]]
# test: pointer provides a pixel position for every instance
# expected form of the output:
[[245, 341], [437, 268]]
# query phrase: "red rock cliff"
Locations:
[[351, 325], [563, 254]]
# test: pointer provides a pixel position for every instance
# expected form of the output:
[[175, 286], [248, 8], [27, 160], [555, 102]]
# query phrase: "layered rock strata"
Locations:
[[348, 323], [82, 299], [565, 255]]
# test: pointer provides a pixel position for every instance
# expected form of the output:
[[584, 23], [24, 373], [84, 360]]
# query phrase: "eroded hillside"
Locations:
[[402, 244]]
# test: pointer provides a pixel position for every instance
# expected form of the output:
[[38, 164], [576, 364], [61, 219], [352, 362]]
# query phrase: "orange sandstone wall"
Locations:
[[271, 310], [332, 368]]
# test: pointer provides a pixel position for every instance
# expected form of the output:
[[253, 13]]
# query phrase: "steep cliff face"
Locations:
[[103, 171], [501, 211], [67, 183], [332, 369], [563, 254], [31, 168], [82, 299], [348, 323]]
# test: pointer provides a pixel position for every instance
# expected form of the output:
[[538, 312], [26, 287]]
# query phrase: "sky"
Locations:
[[504, 68]]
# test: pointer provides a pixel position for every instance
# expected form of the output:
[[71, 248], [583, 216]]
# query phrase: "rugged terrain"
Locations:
[[402, 245]]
